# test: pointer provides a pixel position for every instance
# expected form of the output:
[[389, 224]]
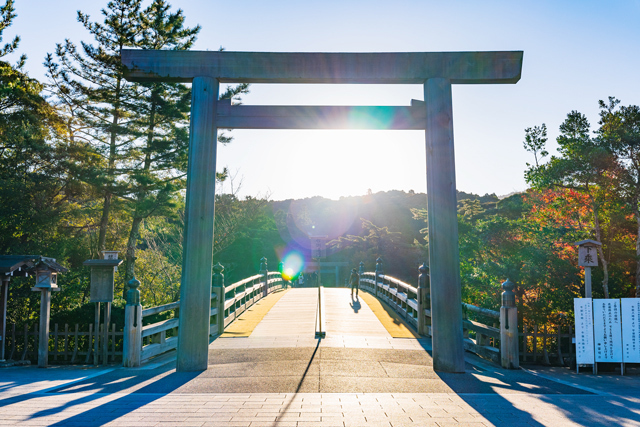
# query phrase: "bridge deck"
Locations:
[[350, 323]]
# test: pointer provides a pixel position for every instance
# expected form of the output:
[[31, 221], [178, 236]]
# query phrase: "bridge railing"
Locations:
[[496, 339], [402, 297], [143, 342]]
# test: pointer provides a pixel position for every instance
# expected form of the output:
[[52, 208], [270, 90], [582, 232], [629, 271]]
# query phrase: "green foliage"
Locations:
[[534, 142]]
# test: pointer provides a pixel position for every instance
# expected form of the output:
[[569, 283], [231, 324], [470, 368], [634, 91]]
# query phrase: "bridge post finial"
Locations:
[[424, 300], [265, 274], [217, 328], [379, 273], [132, 336], [218, 277], [509, 354]]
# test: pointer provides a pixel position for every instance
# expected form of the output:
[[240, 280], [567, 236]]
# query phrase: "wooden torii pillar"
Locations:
[[437, 71]]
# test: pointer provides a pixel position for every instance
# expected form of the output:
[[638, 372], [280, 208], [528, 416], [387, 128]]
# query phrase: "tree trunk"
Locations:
[[104, 222], [605, 265], [130, 257], [134, 233]]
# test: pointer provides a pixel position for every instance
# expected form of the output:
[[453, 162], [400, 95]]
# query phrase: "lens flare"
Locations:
[[293, 265], [288, 274]]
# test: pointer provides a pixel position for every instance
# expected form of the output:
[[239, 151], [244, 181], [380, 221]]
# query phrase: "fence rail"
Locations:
[[482, 332], [227, 303], [540, 345], [66, 345], [403, 298]]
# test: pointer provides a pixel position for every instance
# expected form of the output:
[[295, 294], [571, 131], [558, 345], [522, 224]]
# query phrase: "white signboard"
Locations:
[[630, 330], [318, 247], [607, 330], [584, 330]]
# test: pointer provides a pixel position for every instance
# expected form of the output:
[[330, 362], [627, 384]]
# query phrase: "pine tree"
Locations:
[[32, 185], [158, 159], [100, 104]]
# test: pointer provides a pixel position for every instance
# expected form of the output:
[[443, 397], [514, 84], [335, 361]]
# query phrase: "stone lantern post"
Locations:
[[46, 281], [46, 272]]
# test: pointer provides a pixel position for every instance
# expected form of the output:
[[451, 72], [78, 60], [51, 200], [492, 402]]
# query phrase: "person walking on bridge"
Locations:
[[354, 280]]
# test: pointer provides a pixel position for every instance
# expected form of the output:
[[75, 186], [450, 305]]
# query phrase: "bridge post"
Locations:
[[360, 273], [379, 272], [424, 299], [264, 271], [195, 289], [218, 289], [132, 339], [509, 353], [444, 258]]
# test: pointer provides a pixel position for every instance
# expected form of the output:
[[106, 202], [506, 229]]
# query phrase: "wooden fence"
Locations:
[[548, 345], [66, 345]]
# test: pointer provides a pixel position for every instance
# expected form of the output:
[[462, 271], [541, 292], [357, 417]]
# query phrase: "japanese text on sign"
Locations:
[[584, 330], [630, 330], [319, 247], [587, 256], [607, 330]]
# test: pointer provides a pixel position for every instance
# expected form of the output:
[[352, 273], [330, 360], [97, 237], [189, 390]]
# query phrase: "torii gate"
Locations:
[[437, 71]]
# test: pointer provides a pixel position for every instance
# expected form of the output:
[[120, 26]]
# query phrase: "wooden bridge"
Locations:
[[387, 314]]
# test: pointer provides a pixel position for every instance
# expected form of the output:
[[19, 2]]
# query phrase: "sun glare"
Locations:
[[293, 265]]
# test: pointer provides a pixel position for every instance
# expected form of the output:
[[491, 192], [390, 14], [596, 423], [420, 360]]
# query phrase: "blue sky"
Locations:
[[575, 53]]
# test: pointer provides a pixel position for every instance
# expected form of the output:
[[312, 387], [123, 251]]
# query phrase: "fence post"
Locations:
[[423, 295], [281, 271], [509, 328], [379, 272], [360, 273], [265, 273], [218, 289], [4, 294], [132, 337]]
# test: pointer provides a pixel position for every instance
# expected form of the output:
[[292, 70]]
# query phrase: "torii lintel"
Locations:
[[360, 68]]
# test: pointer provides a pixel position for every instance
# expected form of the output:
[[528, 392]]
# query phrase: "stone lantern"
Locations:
[[102, 283], [46, 272]]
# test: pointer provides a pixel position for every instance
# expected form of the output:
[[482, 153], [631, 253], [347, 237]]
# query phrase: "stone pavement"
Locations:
[[360, 377]]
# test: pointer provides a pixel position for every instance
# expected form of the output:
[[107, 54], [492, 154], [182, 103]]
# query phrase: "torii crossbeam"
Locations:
[[437, 71]]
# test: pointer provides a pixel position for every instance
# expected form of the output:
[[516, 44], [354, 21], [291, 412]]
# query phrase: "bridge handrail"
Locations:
[[242, 282], [399, 283], [414, 305], [160, 309], [230, 300], [401, 296], [410, 302], [483, 311]]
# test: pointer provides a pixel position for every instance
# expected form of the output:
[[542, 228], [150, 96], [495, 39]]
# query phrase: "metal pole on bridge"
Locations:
[[320, 333]]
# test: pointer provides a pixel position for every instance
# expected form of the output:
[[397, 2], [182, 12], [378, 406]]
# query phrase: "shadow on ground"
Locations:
[[320, 370]]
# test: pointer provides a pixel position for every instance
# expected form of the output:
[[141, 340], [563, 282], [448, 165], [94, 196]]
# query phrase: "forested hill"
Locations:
[[389, 224], [334, 218]]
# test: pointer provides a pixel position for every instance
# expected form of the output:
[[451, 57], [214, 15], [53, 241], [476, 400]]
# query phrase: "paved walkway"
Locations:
[[350, 323], [281, 376]]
